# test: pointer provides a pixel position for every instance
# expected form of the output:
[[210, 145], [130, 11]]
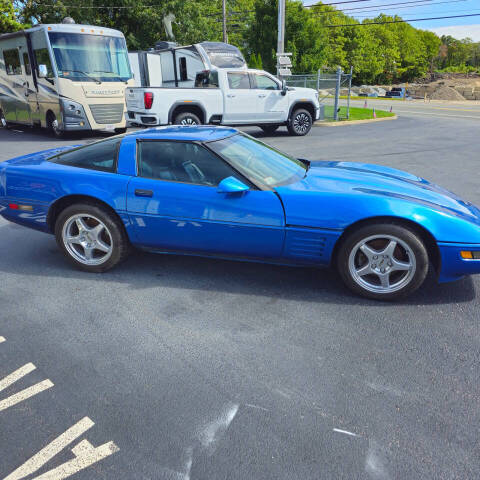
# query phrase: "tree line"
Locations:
[[320, 37]]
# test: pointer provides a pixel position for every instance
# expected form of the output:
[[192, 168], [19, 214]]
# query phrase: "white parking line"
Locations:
[[23, 394], [346, 432], [2, 339], [85, 455]]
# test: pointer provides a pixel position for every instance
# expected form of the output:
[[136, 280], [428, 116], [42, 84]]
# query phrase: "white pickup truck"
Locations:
[[226, 96]]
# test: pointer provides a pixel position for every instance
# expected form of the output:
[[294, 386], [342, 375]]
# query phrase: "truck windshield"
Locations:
[[90, 58], [259, 162]]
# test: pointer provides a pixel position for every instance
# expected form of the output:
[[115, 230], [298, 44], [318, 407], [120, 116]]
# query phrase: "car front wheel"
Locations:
[[91, 238], [300, 122], [383, 261]]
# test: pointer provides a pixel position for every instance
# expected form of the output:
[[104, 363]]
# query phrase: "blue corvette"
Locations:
[[218, 192]]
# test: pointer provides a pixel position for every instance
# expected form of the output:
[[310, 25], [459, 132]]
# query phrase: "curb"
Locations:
[[345, 123]]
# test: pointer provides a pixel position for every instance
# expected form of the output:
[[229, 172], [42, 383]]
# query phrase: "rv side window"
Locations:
[[12, 62], [43, 58], [26, 63]]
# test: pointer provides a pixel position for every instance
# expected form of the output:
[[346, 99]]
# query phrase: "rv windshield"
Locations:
[[90, 58]]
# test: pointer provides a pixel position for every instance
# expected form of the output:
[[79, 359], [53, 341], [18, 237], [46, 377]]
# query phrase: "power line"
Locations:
[[402, 21], [336, 3], [378, 7]]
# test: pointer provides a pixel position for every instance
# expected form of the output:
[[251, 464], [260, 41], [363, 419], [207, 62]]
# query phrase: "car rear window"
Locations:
[[96, 156]]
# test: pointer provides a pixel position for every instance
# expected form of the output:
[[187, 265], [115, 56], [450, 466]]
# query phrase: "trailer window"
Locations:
[[12, 62], [43, 58], [26, 63]]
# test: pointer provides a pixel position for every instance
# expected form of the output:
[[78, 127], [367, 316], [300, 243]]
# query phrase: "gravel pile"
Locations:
[[446, 93]]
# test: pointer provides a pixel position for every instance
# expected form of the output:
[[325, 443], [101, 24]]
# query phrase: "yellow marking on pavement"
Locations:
[[457, 109], [85, 455], [2, 339], [23, 394]]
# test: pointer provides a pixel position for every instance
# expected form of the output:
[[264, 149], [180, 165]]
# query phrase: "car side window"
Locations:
[[265, 83], [97, 156], [183, 162], [12, 62], [238, 80]]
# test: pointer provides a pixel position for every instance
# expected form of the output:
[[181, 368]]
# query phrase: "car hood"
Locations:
[[347, 191], [307, 92], [38, 157]]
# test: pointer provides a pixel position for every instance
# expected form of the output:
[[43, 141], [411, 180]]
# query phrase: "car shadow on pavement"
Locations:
[[35, 254]]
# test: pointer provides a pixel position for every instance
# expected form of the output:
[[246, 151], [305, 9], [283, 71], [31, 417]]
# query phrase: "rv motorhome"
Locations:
[[64, 77]]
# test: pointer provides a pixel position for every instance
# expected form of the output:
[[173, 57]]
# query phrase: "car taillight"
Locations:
[[148, 100]]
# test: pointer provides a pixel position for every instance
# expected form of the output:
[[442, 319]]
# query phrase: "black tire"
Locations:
[[269, 129], [114, 235], [53, 127], [3, 121], [300, 122], [120, 131], [363, 267], [187, 118]]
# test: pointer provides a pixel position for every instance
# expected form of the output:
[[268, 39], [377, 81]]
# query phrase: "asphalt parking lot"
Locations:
[[177, 368]]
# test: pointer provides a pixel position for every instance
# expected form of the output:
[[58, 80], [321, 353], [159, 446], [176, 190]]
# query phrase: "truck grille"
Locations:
[[107, 113]]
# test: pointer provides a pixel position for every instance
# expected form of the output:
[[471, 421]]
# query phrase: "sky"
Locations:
[[456, 27]]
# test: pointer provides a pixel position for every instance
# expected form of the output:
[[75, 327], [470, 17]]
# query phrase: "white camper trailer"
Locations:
[[169, 65], [64, 77]]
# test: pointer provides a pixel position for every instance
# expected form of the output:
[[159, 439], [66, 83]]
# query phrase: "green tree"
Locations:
[[8, 20]]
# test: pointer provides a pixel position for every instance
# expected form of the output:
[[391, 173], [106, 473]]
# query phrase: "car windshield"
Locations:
[[90, 58], [259, 162]]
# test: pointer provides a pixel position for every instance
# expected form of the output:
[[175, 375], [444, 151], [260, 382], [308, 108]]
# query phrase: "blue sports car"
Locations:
[[215, 191]]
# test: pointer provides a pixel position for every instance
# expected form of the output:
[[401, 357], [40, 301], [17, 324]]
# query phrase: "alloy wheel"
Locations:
[[301, 123], [87, 239], [382, 264], [188, 121], [3, 120]]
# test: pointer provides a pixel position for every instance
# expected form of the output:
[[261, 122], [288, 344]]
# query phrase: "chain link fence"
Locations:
[[330, 86]]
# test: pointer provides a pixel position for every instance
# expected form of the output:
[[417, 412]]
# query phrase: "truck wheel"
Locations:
[[53, 126], [300, 122], [187, 118], [3, 120], [269, 129]]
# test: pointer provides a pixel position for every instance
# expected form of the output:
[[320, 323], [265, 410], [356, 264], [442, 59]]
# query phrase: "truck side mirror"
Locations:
[[284, 87], [42, 71]]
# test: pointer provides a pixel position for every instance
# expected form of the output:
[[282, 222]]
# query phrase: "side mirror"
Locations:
[[42, 71], [284, 87], [231, 185]]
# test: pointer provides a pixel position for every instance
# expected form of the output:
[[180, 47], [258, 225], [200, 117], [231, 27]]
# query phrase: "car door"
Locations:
[[270, 103], [174, 204], [239, 99]]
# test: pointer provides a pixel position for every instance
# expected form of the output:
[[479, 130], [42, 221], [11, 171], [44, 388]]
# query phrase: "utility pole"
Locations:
[[281, 27], [224, 12]]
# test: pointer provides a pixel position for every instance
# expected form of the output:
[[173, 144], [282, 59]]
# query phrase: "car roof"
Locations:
[[205, 133]]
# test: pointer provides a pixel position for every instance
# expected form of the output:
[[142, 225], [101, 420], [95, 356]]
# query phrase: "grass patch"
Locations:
[[356, 113]]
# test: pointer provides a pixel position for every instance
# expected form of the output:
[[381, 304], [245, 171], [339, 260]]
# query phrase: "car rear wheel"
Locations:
[[187, 118], [91, 238], [269, 129], [300, 122], [384, 261]]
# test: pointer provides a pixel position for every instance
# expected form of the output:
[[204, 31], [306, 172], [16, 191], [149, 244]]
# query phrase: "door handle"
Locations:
[[230, 95], [143, 193], [262, 95]]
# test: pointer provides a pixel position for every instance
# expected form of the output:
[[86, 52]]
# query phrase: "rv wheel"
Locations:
[[53, 125], [3, 120]]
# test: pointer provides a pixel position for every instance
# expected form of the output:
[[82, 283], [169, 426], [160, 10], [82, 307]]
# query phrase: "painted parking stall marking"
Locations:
[[23, 394], [85, 455]]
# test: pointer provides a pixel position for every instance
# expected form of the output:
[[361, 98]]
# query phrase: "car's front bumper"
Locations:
[[453, 266]]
